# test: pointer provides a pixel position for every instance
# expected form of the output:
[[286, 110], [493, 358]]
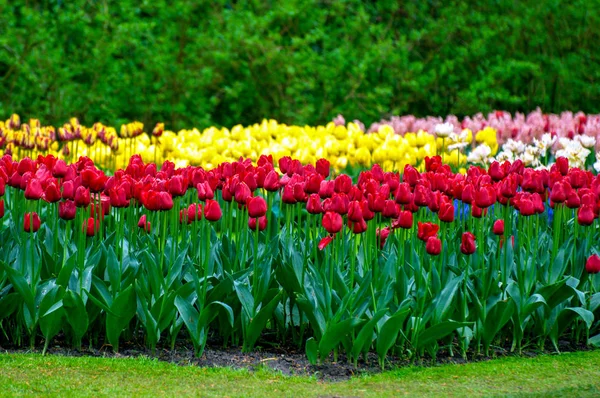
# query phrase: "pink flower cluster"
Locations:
[[519, 127]]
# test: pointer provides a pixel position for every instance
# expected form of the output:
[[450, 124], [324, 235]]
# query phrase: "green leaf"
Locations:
[[8, 304], [113, 268], [495, 320], [334, 333], [242, 289], [257, 324], [20, 285], [51, 321], [437, 332], [65, 272], [76, 313], [312, 351], [388, 333], [190, 317], [123, 310]]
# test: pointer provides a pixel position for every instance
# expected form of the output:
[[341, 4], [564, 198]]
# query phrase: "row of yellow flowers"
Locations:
[[343, 146]]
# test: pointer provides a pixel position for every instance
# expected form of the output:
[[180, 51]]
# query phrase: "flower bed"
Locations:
[[402, 264]]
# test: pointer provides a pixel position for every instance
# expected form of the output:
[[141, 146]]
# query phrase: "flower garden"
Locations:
[[407, 238]]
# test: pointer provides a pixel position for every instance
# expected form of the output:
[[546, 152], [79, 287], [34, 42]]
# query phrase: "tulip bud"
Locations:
[[433, 246], [257, 207], [90, 227], [144, 223], [498, 228], [467, 245], [262, 223], [332, 222], [67, 210], [592, 265], [212, 210], [404, 220], [313, 205], [585, 215], [426, 230], [31, 222]]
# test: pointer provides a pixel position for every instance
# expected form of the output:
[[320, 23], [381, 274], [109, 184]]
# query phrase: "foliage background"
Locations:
[[197, 63]]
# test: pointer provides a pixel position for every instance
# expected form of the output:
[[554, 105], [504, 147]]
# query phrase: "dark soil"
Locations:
[[287, 360]]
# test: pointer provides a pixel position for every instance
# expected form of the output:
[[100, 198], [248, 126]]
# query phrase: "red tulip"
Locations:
[[485, 196], [34, 190], [446, 212], [313, 183], [427, 230], [51, 193], [288, 195], [205, 191], [585, 215], [390, 209], [332, 222], [212, 210], [573, 201], [93, 179], [257, 207], [60, 169], [404, 220], [326, 189], [323, 243], [467, 245], [144, 223], [433, 246], [340, 203], [313, 205], [194, 212], [411, 175], [404, 194], [382, 235], [271, 183], [90, 227], [1, 208], [366, 211], [118, 197], [559, 191], [421, 195], [67, 210], [592, 265], [262, 223], [355, 212], [562, 165], [376, 202], [342, 183], [496, 172], [82, 197], [323, 166], [498, 228], [477, 211], [526, 207], [28, 226], [358, 227], [242, 193]]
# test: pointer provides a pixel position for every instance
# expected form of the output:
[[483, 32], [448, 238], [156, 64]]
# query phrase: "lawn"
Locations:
[[570, 374]]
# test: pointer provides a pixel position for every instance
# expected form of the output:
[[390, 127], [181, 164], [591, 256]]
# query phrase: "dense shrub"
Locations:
[[227, 62]]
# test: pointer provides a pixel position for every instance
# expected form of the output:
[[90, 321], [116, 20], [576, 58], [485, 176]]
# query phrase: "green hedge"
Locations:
[[227, 62]]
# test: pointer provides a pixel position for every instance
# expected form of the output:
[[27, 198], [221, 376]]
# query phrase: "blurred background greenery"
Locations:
[[199, 63]]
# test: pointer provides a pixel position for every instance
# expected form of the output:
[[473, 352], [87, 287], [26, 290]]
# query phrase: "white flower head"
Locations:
[[545, 143], [586, 141], [516, 147], [443, 130], [481, 154], [504, 156], [459, 145]]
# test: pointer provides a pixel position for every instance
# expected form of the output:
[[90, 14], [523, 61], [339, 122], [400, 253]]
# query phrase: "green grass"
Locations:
[[571, 374]]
